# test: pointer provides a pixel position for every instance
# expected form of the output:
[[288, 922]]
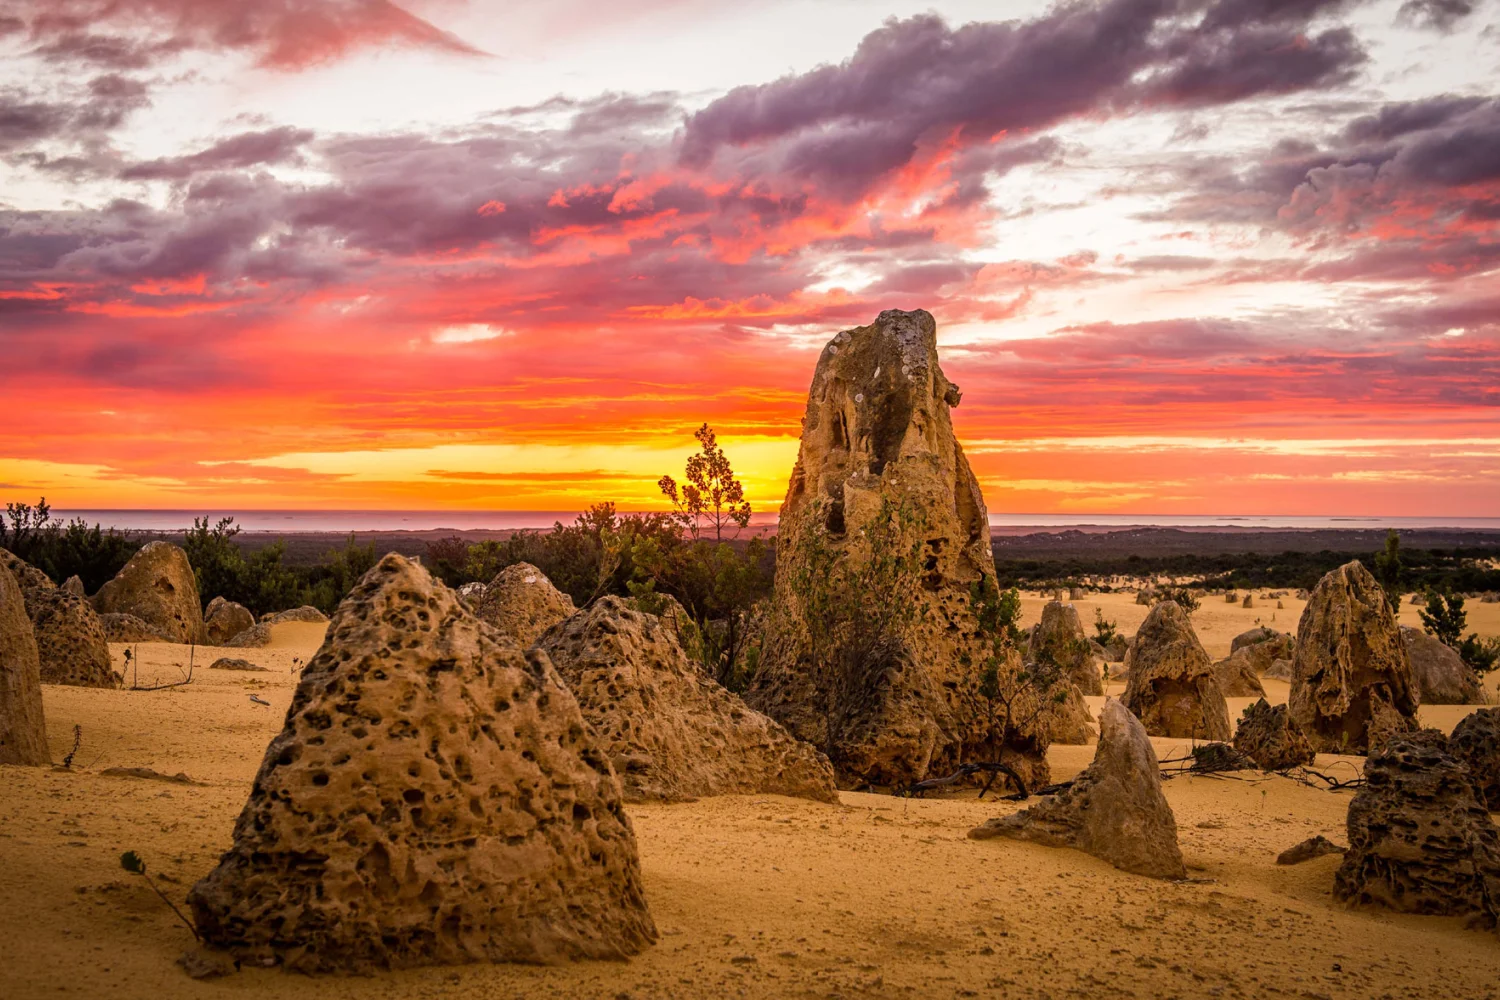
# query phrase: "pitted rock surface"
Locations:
[[1267, 735], [23, 733], [1172, 688], [1114, 810], [1237, 675], [435, 797], [671, 732], [1441, 675], [1476, 742], [70, 640], [522, 603], [1419, 839], [223, 620], [158, 587], [878, 429], [1059, 636], [1352, 684], [129, 628]]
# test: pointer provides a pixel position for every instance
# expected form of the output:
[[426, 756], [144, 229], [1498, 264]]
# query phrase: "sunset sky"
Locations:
[[1186, 256]]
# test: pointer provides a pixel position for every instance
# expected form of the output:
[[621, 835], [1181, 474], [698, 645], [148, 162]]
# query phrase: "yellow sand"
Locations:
[[759, 896]]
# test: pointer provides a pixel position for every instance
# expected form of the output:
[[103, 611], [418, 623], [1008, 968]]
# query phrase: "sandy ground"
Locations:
[[760, 897]]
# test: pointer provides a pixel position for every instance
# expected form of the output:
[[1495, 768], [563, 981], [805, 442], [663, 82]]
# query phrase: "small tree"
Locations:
[[26, 523], [1014, 694], [1181, 596], [711, 493], [1388, 569], [1104, 628], [1444, 617]]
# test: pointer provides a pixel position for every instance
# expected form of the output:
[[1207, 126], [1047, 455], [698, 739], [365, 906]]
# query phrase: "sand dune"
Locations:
[[756, 896]]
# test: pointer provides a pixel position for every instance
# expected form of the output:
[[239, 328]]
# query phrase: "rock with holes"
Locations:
[[1441, 675], [157, 586], [434, 797], [23, 732], [1267, 735], [522, 603], [70, 639], [1114, 810], [1059, 640], [1476, 742], [879, 464], [672, 732], [1237, 676], [130, 629], [31, 580], [223, 620], [1352, 684], [1173, 688], [1420, 841]]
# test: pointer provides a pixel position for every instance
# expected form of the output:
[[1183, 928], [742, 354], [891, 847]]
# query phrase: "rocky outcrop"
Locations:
[[31, 580], [234, 663], [306, 613], [1069, 720], [435, 797], [23, 732], [671, 732], [157, 586], [1267, 735], [1476, 742], [1420, 841], [1059, 638], [1248, 602], [1263, 647], [1352, 684], [1114, 810], [129, 628], [1237, 676], [1117, 647], [1279, 670], [879, 464], [1172, 688], [1077, 594], [1317, 846], [522, 603], [70, 640], [223, 620], [1442, 677], [74, 586]]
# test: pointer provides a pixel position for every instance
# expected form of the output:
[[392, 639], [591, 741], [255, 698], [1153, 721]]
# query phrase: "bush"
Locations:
[[1181, 596]]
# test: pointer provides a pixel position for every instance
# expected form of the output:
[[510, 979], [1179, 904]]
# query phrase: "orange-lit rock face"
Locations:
[[877, 438], [434, 797]]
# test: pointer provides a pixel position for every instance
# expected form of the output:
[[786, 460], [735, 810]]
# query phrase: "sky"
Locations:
[[1185, 256]]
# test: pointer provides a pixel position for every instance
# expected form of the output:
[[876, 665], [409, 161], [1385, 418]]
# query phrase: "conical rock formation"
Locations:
[[522, 603], [1114, 810], [157, 586], [70, 640], [23, 733], [1420, 841], [671, 732], [1059, 636], [1237, 675], [434, 797], [1267, 735], [1441, 675], [879, 460], [1352, 684], [1173, 689]]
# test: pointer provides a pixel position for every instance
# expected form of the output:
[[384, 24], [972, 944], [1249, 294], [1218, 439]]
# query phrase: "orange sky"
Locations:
[[1207, 261]]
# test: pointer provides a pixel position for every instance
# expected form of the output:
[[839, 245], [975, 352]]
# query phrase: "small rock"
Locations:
[[1312, 847], [204, 964]]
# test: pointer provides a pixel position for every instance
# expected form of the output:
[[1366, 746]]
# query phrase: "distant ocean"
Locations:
[[428, 520]]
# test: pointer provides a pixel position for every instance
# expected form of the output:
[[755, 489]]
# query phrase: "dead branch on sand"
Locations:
[[187, 678]]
